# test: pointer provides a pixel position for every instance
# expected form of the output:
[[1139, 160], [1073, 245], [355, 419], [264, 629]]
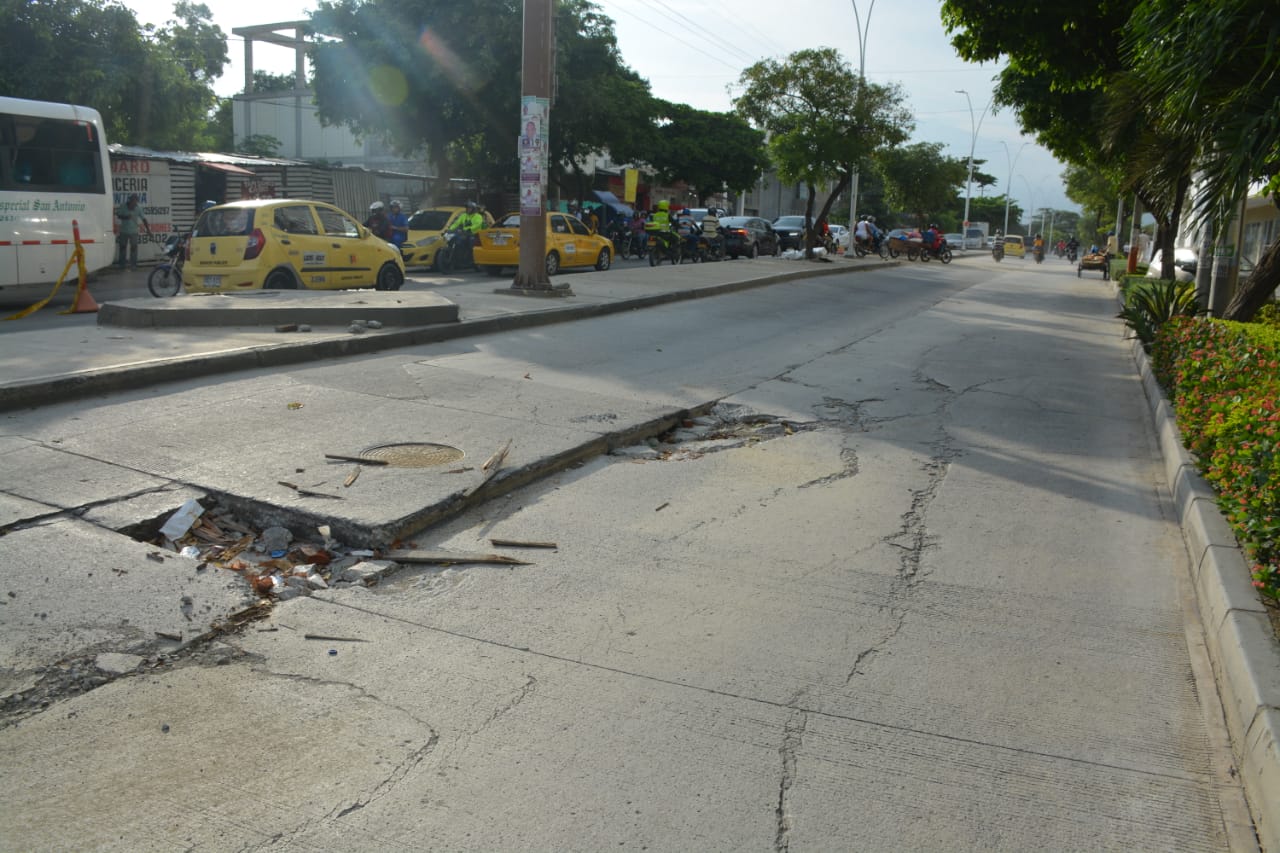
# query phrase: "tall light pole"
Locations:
[[1008, 187], [973, 143], [862, 81]]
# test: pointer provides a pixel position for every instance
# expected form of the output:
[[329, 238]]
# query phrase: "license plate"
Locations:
[[501, 239], [213, 281]]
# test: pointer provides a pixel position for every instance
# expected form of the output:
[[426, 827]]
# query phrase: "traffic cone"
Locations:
[[85, 303]]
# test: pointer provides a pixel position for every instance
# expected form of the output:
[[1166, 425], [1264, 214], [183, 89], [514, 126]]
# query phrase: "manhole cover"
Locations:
[[414, 454]]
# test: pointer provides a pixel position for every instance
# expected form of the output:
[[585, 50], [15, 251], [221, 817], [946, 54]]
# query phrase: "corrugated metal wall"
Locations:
[[354, 191], [182, 195]]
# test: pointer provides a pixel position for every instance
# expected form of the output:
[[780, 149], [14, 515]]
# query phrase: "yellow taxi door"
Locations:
[[560, 238], [302, 242], [349, 258]]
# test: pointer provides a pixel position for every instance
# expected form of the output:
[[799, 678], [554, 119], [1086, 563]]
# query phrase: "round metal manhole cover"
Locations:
[[413, 454]]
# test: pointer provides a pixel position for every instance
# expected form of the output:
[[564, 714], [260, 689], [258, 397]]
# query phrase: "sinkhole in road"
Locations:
[[724, 426]]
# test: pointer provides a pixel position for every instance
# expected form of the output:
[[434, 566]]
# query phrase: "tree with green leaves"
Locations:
[[920, 180], [1211, 73], [153, 87], [822, 121], [709, 151], [446, 77]]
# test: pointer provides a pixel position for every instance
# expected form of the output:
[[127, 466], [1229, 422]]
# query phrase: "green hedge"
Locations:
[[1224, 380]]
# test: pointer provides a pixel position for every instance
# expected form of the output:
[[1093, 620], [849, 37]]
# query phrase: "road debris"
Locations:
[[351, 478], [308, 493], [519, 543], [497, 458], [452, 558], [661, 507], [363, 460], [182, 519], [334, 639]]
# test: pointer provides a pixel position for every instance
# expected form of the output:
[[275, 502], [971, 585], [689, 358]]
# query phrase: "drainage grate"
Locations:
[[413, 454]]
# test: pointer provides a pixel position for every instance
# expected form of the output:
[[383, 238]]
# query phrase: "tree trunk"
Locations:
[[808, 223], [1257, 289]]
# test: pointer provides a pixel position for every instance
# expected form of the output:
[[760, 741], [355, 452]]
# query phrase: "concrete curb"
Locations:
[[57, 389], [1242, 646]]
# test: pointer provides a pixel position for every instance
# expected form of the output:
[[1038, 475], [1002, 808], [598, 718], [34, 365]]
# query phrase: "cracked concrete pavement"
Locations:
[[944, 611]]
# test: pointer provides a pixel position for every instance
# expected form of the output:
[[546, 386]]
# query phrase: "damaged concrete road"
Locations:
[[913, 587]]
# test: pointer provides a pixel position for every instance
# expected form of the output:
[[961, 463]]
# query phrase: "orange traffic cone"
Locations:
[[85, 303]]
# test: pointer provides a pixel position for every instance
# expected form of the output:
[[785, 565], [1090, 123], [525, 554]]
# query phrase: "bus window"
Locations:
[[55, 181]]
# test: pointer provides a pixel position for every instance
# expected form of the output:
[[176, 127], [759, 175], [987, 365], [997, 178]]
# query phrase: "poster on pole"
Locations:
[[531, 146]]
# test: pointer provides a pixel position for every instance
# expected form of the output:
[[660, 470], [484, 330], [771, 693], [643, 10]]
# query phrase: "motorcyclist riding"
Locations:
[[866, 233], [659, 226]]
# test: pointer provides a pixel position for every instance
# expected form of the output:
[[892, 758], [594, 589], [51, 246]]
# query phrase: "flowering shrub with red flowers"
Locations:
[[1224, 381]]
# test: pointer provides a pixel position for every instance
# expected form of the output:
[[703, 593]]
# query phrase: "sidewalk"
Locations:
[[145, 341]]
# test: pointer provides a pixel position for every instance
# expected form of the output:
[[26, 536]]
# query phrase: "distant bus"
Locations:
[[54, 169]]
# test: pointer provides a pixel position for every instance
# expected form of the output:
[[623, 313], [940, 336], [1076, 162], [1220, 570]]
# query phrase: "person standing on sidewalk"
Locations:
[[131, 220]]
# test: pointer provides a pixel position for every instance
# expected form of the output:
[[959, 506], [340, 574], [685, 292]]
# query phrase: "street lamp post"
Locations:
[[862, 81], [1008, 187], [973, 143]]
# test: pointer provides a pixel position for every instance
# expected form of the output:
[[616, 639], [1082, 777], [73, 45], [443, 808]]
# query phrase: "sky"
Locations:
[[694, 53]]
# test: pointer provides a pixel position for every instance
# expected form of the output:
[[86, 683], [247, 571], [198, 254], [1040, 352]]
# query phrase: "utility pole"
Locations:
[[1008, 187], [535, 125], [862, 82], [973, 143]]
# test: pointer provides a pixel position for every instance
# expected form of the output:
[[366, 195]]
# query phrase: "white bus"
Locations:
[[54, 169]]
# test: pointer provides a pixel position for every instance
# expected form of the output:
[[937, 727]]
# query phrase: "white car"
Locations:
[[840, 235], [1184, 265], [955, 240]]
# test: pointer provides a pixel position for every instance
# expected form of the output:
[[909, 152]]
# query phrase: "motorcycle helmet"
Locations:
[[471, 205], [375, 207], [395, 205], [663, 205]]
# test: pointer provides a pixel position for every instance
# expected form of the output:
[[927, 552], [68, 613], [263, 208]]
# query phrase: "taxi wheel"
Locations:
[[553, 263], [280, 280], [389, 278], [603, 262]]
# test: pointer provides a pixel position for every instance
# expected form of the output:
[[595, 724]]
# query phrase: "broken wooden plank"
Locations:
[[359, 459], [520, 543], [450, 558], [307, 493], [497, 458]]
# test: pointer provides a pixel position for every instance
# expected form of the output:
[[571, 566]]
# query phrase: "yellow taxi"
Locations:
[[1013, 245], [426, 228], [570, 243], [285, 244]]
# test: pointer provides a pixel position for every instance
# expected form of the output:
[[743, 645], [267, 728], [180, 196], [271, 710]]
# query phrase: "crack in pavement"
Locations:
[[792, 740], [384, 787], [793, 705], [912, 537]]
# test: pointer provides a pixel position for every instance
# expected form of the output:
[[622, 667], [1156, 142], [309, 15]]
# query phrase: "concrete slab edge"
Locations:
[[57, 389], [301, 518], [1242, 646]]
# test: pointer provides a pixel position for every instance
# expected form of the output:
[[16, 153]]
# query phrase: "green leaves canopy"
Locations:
[[821, 119], [446, 76], [153, 88]]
